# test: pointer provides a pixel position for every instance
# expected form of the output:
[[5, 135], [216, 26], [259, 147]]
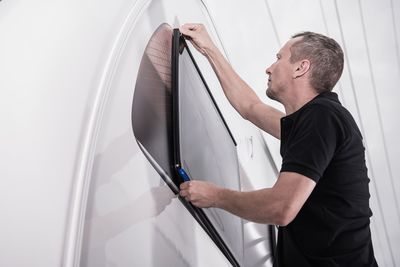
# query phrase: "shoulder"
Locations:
[[319, 112], [326, 106], [328, 111]]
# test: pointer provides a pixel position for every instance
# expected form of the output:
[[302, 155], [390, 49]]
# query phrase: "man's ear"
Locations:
[[301, 68]]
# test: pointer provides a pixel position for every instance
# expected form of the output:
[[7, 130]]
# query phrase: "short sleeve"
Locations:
[[312, 142]]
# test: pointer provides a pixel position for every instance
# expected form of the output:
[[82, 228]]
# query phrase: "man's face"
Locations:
[[280, 72]]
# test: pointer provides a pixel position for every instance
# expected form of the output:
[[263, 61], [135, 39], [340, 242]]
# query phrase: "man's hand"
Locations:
[[198, 36], [201, 194]]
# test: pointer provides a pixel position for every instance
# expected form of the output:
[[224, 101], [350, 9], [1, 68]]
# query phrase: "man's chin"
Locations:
[[271, 94]]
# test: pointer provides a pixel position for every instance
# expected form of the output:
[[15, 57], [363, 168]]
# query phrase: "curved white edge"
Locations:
[[79, 191]]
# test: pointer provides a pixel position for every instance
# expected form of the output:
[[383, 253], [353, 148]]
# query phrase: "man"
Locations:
[[321, 197]]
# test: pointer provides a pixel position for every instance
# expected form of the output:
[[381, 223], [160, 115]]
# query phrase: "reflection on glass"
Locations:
[[207, 150], [151, 108]]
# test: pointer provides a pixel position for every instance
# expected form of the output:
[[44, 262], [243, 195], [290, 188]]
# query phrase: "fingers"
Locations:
[[198, 36], [187, 190], [194, 31], [190, 29], [184, 185], [184, 190], [199, 193]]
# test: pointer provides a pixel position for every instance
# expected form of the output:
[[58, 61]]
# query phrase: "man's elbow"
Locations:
[[286, 216]]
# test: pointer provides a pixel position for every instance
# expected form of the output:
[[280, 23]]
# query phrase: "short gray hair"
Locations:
[[326, 58]]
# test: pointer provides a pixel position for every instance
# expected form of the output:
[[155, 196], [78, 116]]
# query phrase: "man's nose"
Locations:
[[268, 70]]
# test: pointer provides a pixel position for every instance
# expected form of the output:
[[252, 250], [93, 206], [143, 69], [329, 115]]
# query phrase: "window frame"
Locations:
[[178, 46]]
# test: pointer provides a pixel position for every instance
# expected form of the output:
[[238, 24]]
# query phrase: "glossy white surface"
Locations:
[[53, 54]]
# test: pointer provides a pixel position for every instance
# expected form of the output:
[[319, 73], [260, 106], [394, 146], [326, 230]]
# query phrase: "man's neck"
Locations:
[[296, 101]]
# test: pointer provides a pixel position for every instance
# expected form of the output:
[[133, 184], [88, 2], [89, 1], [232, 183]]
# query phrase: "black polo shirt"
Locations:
[[322, 141]]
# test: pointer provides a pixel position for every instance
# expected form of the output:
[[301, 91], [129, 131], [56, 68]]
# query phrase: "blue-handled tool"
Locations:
[[183, 175]]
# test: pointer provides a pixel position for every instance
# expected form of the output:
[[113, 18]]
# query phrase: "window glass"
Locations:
[[207, 150], [152, 103]]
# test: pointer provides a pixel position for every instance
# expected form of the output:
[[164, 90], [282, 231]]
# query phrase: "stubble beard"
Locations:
[[271, 94]]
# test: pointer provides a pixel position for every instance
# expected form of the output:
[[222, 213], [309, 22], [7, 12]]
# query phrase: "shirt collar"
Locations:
[[325, 95], [329, 95]]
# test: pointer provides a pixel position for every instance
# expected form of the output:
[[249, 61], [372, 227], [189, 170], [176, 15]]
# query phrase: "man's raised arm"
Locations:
[[238, 92]]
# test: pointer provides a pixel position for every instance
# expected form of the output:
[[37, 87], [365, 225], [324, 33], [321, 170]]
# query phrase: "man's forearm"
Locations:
[[239, 94], [277, 205], [242, 97], [257, 206]]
